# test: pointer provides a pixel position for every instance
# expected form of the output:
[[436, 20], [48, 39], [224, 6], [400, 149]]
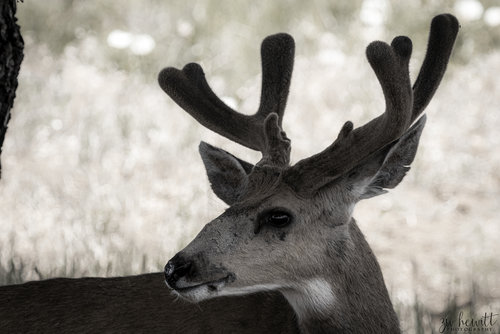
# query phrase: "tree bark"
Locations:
[[11, 56]]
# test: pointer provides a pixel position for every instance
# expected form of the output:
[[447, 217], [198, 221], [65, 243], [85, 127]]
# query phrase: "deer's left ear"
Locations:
[[228, 175], [387, 167]]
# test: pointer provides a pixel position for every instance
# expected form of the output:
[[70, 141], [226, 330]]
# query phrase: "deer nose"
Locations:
[[176, 268]]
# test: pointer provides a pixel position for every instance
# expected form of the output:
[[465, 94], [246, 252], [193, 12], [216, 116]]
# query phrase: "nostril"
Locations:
[[176, 269], [169, 270]]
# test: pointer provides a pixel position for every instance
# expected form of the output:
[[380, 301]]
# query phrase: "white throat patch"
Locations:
[[315, 296]]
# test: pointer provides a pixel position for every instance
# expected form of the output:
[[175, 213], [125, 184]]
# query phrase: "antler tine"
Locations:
[[444, 30], [190, 90], [277, 53], [390, 64]]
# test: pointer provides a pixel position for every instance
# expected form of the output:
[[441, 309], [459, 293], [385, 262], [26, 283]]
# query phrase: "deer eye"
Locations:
[[275, 217], [278, 218]]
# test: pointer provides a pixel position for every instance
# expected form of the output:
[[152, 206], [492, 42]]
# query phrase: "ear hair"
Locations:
[[228, 175], [386, 168]]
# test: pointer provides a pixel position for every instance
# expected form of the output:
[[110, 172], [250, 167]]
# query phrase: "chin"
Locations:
[[196, 295]]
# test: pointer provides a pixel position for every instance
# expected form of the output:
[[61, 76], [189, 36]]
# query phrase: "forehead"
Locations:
[[280, 195]]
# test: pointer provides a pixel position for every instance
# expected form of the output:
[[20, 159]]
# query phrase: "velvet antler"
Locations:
[[403, 105], [261, 131]]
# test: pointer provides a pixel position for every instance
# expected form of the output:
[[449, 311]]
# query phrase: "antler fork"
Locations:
[[261, 131], [403, 105]]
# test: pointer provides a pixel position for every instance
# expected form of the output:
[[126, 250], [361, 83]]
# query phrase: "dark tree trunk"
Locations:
[[11, 56]]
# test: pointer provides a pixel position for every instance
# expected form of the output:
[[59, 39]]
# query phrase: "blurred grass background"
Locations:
[[101, 174]]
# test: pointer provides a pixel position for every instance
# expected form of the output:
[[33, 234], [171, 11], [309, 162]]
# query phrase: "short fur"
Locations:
[[135, 304]]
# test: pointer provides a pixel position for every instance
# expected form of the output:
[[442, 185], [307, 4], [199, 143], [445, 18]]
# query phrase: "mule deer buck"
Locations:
[[286, 256]]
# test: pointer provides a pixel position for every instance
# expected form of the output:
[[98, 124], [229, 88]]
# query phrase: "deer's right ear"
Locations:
[[227, 174]]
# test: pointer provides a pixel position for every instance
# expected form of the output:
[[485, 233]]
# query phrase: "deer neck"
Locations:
[[351, 297]]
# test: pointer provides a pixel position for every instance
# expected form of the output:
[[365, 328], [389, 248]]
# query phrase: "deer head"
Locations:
[[290, 227]]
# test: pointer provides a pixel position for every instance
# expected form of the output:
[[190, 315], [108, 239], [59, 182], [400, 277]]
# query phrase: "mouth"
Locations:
[[211, 285]]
